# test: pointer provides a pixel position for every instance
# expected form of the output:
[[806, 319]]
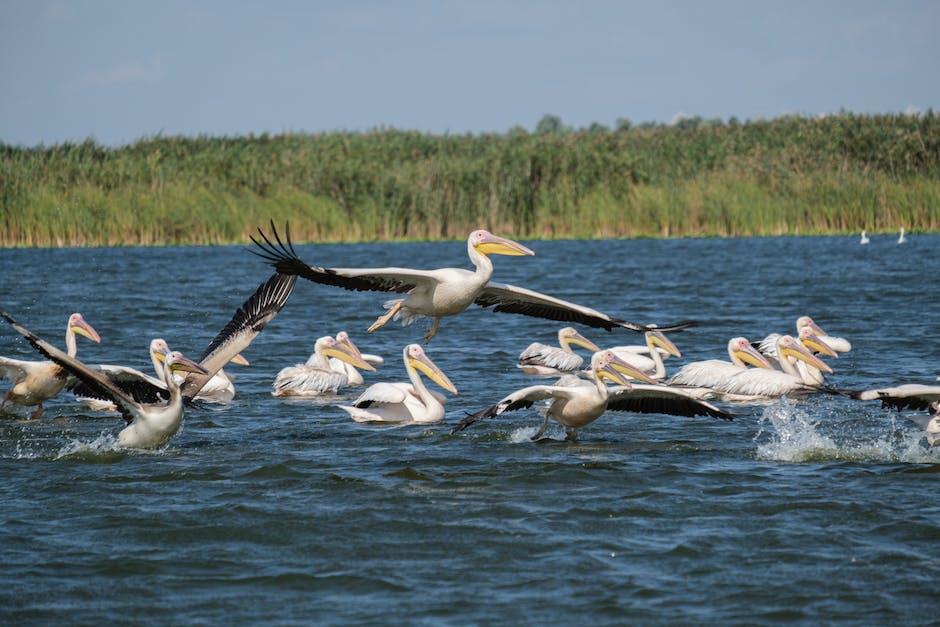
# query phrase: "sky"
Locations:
[[117, 71]]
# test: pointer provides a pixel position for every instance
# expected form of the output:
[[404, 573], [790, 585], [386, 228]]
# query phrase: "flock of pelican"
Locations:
[[628, 378]]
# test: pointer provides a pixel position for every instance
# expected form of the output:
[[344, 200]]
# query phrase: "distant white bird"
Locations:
[[545, 360], [865, 239], [404, 403], [901, 238]]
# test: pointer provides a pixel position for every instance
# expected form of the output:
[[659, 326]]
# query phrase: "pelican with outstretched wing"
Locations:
[[911, 396], [404, 403], [35, 382], [445, 291], [576, 402]]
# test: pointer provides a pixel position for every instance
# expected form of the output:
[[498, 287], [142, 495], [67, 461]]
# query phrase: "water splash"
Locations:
[[794, 436], [105, 446], [524, 434]]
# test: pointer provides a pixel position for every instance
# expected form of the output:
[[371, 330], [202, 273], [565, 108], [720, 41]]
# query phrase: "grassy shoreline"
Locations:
[[796, 176]]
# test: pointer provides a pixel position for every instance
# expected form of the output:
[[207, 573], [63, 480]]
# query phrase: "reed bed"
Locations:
[[793, 175]]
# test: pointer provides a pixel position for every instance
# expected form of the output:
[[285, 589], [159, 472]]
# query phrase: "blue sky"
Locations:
[[120, 70]]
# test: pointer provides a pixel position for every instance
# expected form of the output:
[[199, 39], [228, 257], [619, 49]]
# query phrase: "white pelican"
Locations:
[[901, 238], [770, 383], [838, 344], [445, 291], [807, 372], [911, 396], [649, 357], [542, 359], [353, 376], [712, 374], [865, 239], [35, 382], [315, 377], [404, 403], [577, 402]]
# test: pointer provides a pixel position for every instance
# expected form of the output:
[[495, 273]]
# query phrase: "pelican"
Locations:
[[807, 372], [576, 402], [838, 344], [901, 238], [649, 357], [770, 383], [316, 376], [35, 382], [542, 359], [865, 239], [404, 403], [713, 374], [445, 291], [911, 396], [353, 376], [150, 424]]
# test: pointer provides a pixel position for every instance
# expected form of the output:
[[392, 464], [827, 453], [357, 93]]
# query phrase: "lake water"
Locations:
[[276, 511]]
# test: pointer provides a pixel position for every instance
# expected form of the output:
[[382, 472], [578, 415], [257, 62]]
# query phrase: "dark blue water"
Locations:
[[278, 511]]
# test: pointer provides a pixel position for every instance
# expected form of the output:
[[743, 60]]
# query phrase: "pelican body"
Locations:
[[404, 403], [445, 291], [649, 357], [542, 359], [771, 383], [838, 344], [713, 374], [575, 402], [35, 382], [316, 377]]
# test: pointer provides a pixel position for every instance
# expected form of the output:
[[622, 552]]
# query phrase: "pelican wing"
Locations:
[[245, 325], [538, 354], [141, 387], [282, 256], [95, 379], [659, 399], [520, 399], [907, 396], [383, 394], [14, 369], [519, 300]]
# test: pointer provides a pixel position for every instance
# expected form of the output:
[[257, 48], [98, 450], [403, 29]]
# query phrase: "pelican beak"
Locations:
[[425, 365], [620, 367], [343, 340], [799, 351], [751, 355], [658, 338], [180, 363], [580, 340], [807, 323], [238, 359], [341, 352], [811, 341], [78, 325], [489, 244]]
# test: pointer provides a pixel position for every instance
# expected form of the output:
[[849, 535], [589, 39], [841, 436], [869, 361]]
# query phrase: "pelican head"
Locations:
[[569, 335], [658, 338], [624, 367], [416, 358], [741, 352], [177, 362], [329, 347], [78, 325], [159, 349], [805, 322], [486, 243], [789, 347], [810, 340], [606, 365], [343, 339]]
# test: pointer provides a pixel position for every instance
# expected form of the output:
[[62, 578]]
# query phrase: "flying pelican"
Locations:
[[838, 344], [542, 359], [911, 396], [577, 402], [404, 403], [150, 424], [771, 383], [649, 357], [445, 291], [901, 238], [35, 382], [353, 376], [712, 374], [865, 239], [316, 376]]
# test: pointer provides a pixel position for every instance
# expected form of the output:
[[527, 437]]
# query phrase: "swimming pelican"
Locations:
[[35, 382], [316, 377], [901, 238], [865, 239], [545, 360], [576, 402], [649, 357], [445, 291], [838, 344], [151, 410], [353, 376], [713, 374], [808, 373], [404, 403], [911, 396], [770, 383]]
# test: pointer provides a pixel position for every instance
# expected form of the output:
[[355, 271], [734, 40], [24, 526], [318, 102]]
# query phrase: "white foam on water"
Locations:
[[104, 444]]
